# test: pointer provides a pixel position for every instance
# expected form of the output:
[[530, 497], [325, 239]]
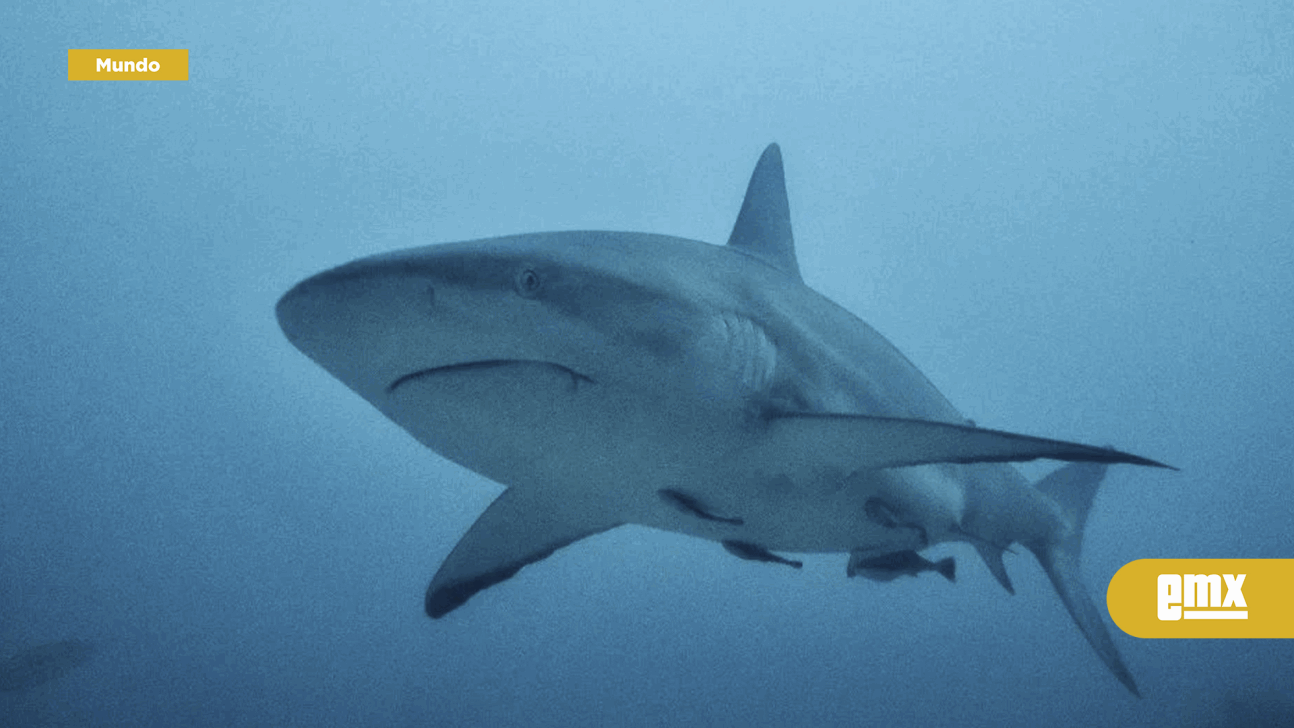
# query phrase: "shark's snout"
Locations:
[[293, 311], [354, 298], [367, 324], [382, 323]]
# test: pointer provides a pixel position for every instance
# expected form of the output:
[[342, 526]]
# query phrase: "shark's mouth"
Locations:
[[488, 364]]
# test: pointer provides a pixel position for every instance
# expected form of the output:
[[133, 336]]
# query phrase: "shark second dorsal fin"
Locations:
[[763, 227]]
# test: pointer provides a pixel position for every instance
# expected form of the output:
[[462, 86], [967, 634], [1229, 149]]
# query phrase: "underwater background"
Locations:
[[1076, 218]]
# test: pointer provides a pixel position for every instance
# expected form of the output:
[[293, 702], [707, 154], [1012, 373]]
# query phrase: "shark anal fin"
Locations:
[[858, 442], [693, 505], [755, 552], [519, 528]]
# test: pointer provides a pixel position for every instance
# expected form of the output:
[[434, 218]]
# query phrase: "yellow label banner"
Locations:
[[166, 64], [1206, 598]]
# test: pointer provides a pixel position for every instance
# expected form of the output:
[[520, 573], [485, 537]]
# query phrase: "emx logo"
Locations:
[[1204, 598], [1203, 592]]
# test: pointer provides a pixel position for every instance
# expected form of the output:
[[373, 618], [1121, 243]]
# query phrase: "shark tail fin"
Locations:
[[1073, 487], [948, 568]]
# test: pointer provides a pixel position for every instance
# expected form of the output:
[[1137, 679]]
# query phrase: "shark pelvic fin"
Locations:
[[691, 504], [755, 552], [519, 528], [763, 227]]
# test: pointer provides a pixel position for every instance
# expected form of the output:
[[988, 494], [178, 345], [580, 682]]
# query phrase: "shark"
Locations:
[[611, 378]]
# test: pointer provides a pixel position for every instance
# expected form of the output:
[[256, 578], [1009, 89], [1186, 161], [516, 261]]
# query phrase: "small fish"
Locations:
[[888, 567]]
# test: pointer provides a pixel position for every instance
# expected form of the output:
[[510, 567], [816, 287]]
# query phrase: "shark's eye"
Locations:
[[527, 283]]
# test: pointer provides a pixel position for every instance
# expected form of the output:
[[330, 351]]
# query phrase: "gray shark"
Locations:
[[609, 378]]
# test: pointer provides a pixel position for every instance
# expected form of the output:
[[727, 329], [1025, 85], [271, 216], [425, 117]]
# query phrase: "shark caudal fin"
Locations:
[[1073, 487]]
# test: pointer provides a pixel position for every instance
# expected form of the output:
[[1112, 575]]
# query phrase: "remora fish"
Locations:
[[890, 566]]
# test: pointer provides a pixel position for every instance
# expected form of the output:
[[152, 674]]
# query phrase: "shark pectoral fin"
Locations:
[[859, 442], [519, 528]]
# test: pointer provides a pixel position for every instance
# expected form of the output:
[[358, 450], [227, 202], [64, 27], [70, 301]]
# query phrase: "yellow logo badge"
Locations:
[[167, 64], [1204, 598]]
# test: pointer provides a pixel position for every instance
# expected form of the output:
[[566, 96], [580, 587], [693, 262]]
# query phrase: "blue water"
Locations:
[[1076, 219]]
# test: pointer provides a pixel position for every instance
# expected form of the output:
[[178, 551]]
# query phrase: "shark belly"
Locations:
[[589, 445], [532, 425]]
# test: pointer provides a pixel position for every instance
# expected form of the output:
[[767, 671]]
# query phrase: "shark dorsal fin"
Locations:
[[763, 226]]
